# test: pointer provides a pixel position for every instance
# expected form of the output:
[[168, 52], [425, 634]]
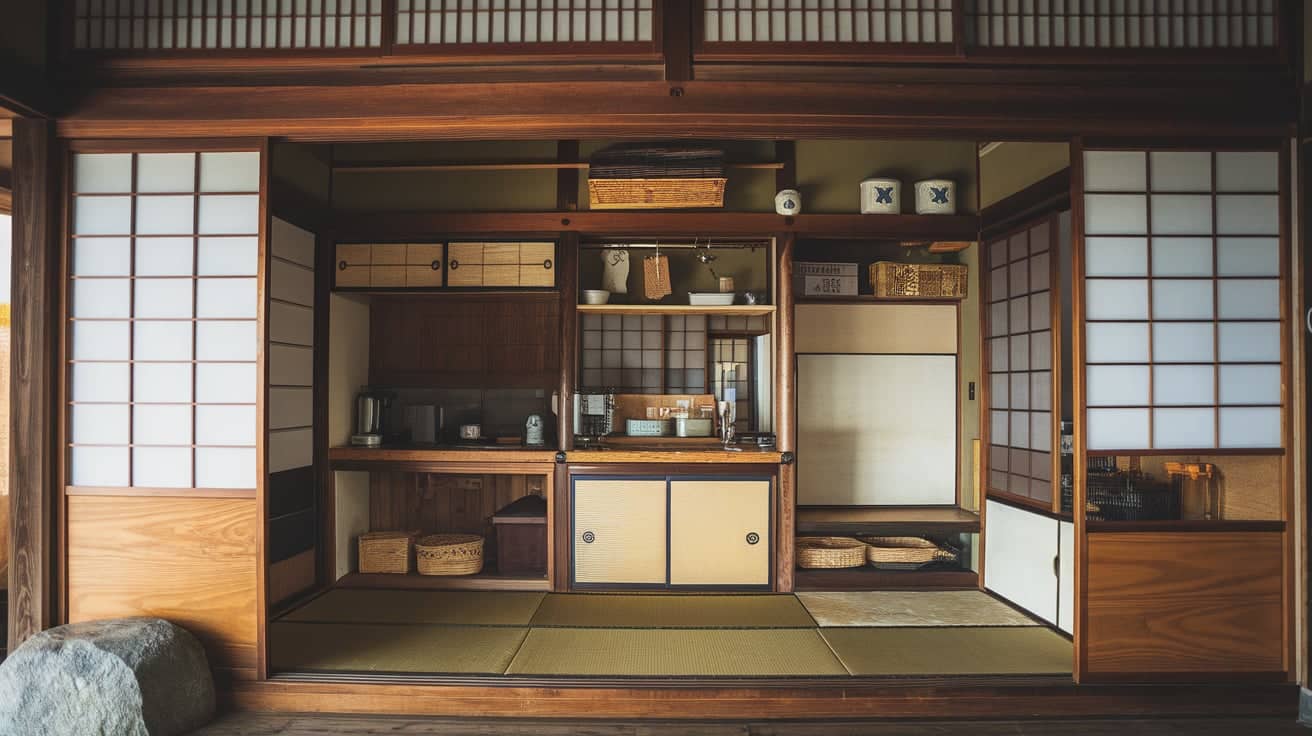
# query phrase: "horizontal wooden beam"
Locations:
[[382, 167], [927, 107], [387, 225]]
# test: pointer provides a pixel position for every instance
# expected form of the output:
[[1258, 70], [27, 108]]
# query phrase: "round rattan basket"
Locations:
[[905, 551], [449, 554], [830, 552]]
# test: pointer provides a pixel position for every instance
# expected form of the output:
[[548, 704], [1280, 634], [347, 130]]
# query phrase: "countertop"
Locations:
[[351, 456]]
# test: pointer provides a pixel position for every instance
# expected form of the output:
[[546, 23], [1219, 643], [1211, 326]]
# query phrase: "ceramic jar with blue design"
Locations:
[[936, 197], [881, 197]]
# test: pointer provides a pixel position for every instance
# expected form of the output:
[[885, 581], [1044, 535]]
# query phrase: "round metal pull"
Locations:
[[589, 537], [454, 264], [436, 265], [753, 537], [341, 265], [547, 264]]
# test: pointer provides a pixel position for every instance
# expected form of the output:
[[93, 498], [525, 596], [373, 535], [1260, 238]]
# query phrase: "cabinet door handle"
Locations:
[[753, 537], [341, 265], [454, 264], [589, 537], [1056, 566], [436, 265], [547, 264]]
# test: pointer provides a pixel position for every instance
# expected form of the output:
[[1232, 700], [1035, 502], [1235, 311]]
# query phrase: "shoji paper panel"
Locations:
[[162, 368], [1020, 380], [829, 21], [230, 24], [1121, 24], [1182, 273]]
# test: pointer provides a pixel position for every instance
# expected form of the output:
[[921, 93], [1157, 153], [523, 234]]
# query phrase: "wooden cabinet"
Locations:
[[389, 265], [720, 532], [619, 531], [502, 264], [671, 532]]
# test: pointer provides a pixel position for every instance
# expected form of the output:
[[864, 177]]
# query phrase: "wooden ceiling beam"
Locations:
[[705, 109]]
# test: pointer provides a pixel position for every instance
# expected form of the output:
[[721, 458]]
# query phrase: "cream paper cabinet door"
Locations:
[[720, 532], [619, 531]]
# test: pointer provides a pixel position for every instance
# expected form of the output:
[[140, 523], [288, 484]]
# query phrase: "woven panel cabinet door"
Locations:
[[619, 532], [720, 532]]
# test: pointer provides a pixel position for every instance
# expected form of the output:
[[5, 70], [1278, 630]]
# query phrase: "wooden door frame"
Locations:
[[33, 418]]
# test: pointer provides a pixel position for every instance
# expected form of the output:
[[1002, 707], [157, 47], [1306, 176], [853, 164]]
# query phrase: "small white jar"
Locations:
[[936, 197], [788, 202], [881, 197]]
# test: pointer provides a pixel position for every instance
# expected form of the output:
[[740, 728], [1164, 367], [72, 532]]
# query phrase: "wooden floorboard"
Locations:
[[260, 724]]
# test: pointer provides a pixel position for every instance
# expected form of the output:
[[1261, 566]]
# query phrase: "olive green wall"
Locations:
[[829, 173], [1010, 167]]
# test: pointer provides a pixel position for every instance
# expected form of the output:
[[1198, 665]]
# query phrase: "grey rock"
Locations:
[[121, 677]]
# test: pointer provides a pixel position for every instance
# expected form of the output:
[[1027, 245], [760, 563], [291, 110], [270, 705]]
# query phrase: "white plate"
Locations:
[[710, 299]]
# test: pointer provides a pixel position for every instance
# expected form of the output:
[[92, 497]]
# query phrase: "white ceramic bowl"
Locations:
[[595, 296]]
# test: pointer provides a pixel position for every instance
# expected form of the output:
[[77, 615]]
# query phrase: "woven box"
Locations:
[[652, 194], [386, 552], [918, 280], [449, 554]]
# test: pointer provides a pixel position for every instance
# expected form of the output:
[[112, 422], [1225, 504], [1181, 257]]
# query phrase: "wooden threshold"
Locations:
[[415, 581], [892, 520], [869, 578]]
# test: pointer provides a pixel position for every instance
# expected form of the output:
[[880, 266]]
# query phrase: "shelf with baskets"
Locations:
[[883, 561], [885, 520]]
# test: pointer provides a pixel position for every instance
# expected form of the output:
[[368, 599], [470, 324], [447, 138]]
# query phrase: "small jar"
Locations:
[[788, 202], [881, 197]]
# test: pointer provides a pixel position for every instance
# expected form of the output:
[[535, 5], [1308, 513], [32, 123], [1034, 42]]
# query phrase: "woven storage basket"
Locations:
[[652, 194], [905, 551], [449, 554], [924, 280], [385, 552], [830, 552]]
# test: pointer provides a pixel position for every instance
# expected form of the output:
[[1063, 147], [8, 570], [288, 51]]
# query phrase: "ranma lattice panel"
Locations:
[[451, 22], [1122, 24], [828, 21], [227, 24]]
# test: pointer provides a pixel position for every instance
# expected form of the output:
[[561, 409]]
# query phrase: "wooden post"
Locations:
[[33, 450], [785, 412]]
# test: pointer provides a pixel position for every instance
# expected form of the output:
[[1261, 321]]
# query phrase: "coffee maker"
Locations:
[[369, 410]]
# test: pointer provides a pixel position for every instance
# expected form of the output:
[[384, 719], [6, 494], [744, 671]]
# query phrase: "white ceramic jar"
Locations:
[[881, 197], [788, 202], [936, 197]]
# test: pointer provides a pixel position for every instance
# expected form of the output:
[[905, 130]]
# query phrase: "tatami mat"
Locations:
[[912, 608], [1028, 650], [675, 653], [426, 649], [672, 611], [475, 608]]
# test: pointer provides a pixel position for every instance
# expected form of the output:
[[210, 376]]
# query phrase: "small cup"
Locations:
[[788, 202]]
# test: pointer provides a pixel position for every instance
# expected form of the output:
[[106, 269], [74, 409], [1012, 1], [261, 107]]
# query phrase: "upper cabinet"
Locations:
[[426, 266]]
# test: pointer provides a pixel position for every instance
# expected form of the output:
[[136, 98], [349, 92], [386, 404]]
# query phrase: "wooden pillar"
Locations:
[[785, 413], [33, 446]]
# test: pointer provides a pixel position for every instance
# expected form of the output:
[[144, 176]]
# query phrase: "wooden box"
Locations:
[[521, 533]]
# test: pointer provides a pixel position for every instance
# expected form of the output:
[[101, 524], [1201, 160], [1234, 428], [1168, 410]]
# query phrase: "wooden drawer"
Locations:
[[465, 253], [387, 276], [501, 253], [392, 255], [424, 255], [501, 275], [423, 276]]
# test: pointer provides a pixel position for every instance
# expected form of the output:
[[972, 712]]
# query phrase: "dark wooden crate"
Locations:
[[521, 531]]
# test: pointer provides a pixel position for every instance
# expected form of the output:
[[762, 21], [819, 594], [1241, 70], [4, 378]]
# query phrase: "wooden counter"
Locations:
[[367, 458], [709, 456]]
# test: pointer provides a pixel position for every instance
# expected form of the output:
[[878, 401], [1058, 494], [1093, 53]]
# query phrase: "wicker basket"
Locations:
[[830, 552], [653, 194], [919, 280], [385, 552], [909, 551], [449, 554]]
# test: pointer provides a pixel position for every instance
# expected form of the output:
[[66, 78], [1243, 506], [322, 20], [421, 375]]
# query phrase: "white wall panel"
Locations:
[[1018, 564]]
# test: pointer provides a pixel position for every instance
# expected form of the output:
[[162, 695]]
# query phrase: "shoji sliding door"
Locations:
[[1183, 330], [161, 366]]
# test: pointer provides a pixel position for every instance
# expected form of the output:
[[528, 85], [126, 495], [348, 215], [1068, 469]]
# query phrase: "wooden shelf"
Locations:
[[415, 581], [890, 520], [735, 310], [868, 578], [385, 167], [372, 226]]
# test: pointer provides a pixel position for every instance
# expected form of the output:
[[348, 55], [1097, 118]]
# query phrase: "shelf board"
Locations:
[[377, 167], [868, 578], [735, 310], [889, 520], [415, 581]]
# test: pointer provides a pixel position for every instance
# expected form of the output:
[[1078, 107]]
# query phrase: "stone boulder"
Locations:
[[121, 677]]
